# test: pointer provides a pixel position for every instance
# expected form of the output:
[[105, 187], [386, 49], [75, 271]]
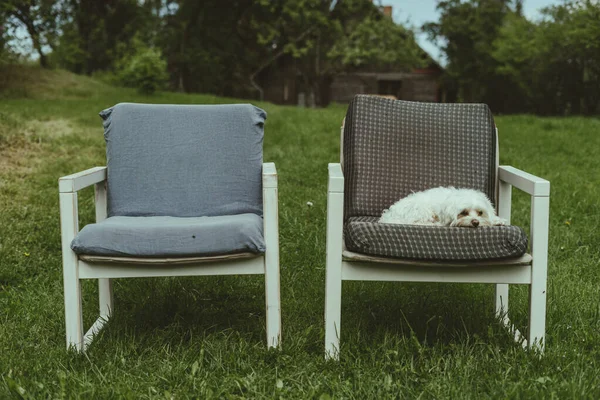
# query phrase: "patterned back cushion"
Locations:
[[393, 148], [183, 160]]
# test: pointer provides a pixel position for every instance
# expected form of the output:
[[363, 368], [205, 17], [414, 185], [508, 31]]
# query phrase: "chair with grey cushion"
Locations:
[[391, 148], [185, 192]]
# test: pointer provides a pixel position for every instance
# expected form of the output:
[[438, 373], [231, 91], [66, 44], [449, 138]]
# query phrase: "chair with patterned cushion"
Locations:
[[391, 148], [184, 193]]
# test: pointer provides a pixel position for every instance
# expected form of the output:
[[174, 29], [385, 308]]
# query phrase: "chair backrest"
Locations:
[[392, 148], [183, 160]]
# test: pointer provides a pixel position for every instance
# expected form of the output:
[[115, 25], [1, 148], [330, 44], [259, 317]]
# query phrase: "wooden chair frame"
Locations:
[[533, 272], [104, 269]]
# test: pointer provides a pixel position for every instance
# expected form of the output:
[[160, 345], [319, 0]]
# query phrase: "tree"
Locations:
[[145, 69], [210, 48], [516, 51], [468, 30], [3, 35], [39, 17], [554, 63], [375, 41], [220, 49], [95, 34], [326, 37]]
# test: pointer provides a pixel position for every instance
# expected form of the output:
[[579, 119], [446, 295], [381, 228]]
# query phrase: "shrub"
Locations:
[[145, 70]]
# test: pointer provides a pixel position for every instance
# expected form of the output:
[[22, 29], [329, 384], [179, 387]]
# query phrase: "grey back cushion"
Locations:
[[183, 160], [392, 148]]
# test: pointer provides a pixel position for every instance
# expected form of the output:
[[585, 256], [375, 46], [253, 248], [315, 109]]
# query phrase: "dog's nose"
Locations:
[[475, 223]]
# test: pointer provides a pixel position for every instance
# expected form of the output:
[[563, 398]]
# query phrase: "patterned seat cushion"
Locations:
[[365, 235]]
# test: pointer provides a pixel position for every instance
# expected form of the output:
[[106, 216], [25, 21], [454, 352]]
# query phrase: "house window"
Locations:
[[286, 92]]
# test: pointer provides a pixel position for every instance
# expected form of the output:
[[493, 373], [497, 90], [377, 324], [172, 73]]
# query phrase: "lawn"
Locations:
[[205, 337]]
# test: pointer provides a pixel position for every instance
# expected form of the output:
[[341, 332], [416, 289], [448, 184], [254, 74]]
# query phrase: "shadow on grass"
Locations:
[[181, 310], [424, 315]]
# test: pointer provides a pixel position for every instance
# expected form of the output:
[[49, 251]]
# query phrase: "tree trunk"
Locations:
[[38, 47], [181, 65], [43, 59], [22, 14]]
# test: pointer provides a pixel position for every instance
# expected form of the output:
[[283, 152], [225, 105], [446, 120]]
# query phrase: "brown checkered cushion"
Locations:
[[392, 148], [365, 235]]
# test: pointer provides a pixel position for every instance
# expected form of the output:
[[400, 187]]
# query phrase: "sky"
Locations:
[[418, 12]]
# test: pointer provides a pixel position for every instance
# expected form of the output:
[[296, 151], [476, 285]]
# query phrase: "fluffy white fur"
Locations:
[[443, 206]]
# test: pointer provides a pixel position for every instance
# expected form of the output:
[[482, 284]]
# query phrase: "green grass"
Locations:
[[204, 337]]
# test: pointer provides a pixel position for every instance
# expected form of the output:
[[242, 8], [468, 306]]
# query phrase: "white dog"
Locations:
[[443, 206]]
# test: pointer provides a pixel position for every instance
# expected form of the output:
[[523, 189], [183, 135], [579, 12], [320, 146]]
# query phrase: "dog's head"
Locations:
[[472, 210], [471, 218]]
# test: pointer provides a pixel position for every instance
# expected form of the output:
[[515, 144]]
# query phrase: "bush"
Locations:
[[145, 70]]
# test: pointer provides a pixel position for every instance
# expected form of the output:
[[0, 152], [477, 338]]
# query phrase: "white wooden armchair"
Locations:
[[147, 224], [393, 147]]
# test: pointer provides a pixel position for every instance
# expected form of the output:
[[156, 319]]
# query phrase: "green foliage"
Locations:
[[210, 48], [40, 18], [495, 55], [5, 51], [70, 53], [326, 38], [293, 25], [468, 30], [222, 50], [377, 43], [96, 34], [555, 63], [145, 70]]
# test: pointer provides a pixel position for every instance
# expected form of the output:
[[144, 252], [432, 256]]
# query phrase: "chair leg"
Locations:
[[104, 285], [502, 301], [69, 226], [105, 297], [73, 308], [333, 308], [504, 211], [537, 316], [539, 272], [272, 296]]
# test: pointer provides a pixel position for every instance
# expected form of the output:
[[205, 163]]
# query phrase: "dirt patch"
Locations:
[[11, 129], [19, 157], [21, 143], [39, 130]]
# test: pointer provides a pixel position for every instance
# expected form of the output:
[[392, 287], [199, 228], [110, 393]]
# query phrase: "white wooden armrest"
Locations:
[[269, 175], [336, 178], [524, 181], [75, 182]]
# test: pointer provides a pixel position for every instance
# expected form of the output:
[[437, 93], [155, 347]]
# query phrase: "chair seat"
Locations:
[[366, 236], [170, 261], [171, 236], [351, 256]]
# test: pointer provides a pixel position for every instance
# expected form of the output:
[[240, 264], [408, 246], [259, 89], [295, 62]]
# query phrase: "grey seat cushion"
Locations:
[[183, 160], [171, 236], [392, 148], [365, 235]]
